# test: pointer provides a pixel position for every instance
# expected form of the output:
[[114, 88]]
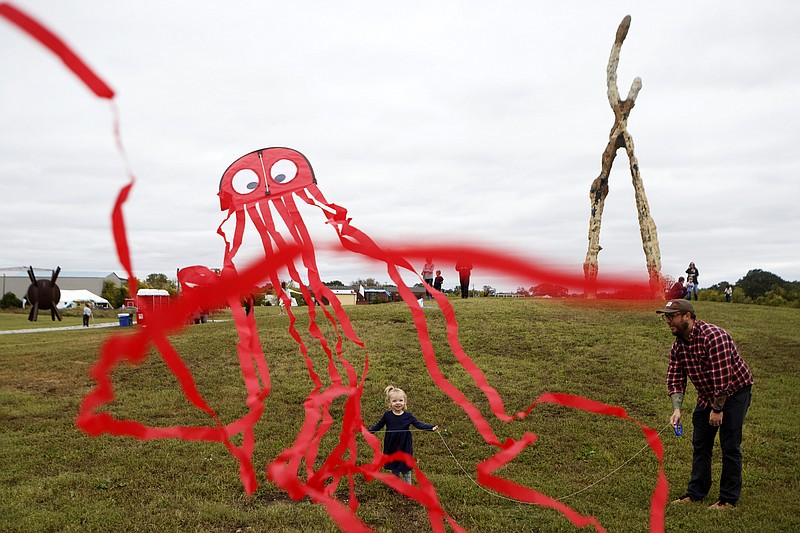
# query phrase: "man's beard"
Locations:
[[680, 330]]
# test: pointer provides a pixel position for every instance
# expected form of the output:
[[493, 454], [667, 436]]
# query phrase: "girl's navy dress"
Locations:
[[398, 436]]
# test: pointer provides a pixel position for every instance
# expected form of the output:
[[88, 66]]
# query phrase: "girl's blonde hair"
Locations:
[[391, 389]]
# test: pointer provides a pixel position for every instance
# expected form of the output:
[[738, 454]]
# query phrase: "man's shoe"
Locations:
[[684, 499], [721, 506]]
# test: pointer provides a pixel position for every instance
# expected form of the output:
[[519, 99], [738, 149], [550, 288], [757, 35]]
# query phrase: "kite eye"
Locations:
[[245, 181], [283, 171]]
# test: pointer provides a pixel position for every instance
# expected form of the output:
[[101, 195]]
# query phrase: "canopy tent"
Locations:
[[75, 298]]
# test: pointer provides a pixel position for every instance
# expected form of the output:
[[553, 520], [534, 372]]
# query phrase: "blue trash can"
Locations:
[[124, 319]]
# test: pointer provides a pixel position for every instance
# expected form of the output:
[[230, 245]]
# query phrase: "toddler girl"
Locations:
[[398, 436]]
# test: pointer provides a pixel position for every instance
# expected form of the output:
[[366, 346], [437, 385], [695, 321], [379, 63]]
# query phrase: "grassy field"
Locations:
[[55, 478]]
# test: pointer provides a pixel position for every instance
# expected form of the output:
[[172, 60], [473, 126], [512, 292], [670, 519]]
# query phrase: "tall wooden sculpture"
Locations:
[[621, 138]]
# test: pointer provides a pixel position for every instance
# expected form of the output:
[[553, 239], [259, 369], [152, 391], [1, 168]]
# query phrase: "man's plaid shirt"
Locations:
[[710, 359]]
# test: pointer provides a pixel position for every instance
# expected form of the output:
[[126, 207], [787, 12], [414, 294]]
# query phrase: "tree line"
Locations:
[[757, 287]]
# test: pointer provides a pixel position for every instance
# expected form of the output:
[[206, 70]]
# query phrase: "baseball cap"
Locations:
[[677, 306]]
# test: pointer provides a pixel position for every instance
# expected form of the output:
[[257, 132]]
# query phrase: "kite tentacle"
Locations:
[[266, 228], [291, 217], [320, 421], [231, 248], [319, 416], [297, 225], [297, 229]]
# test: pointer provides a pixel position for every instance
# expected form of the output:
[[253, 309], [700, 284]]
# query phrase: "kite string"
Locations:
[[587, 487], [496, 495]]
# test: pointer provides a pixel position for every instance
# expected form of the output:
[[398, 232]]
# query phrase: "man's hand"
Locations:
[[715, 419], [675, 418]]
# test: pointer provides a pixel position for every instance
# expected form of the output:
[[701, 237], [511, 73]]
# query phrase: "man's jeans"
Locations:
[[730, 439]]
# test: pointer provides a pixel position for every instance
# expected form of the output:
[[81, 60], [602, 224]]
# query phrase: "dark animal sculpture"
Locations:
[[44, 295]]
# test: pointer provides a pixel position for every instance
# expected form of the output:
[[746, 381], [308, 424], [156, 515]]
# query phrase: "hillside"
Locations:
[[57, 478]]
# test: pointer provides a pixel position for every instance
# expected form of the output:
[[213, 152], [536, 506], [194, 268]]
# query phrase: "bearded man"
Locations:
[[706, 355]]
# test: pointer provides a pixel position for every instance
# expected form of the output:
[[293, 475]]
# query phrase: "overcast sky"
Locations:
[[479, 122]]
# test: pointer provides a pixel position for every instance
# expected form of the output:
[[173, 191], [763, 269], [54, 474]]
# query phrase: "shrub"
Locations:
[[10, 300], [711, 295]]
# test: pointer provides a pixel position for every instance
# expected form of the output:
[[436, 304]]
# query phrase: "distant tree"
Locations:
[[522, 291], [334, 283], [10, 300], [267, 289], [160, 281], [757, 282], [115, 295], [720, 287], [549, 289], [715, 293], [369, 282], [780, 297], [739, 297], [260, 294], [758, 287], [488, 290], [710, 295], [793, 292]]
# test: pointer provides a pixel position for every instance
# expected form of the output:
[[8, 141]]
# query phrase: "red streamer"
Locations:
[[58, 47], [213, 291]]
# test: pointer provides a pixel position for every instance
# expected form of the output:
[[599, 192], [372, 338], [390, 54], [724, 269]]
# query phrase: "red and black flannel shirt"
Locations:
[[710, 359]]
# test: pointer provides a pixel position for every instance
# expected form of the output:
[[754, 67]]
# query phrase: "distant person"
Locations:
[[728, 293], [87, 314], [692, 283], [281, 295], [398, 435], [677, 291], [248, 303], [706, 355], [438, 280], [427, 274], [464, 270]]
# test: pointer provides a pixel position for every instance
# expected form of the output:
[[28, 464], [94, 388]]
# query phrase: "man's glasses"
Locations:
[[670, 316]]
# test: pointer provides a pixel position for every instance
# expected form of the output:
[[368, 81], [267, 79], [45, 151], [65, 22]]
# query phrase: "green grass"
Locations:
[[55, 478]]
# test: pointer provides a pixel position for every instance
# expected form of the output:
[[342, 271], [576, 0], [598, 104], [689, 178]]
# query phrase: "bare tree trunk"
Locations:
[[621, 138]]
